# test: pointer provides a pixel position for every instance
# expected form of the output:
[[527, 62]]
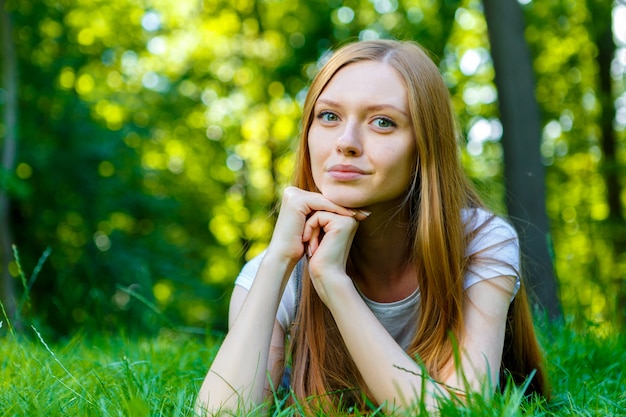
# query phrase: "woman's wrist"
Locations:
[[281, 263], [335, 288]]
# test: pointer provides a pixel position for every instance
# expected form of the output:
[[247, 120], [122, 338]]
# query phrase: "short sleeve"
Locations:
[[286, 308], [494, 250]]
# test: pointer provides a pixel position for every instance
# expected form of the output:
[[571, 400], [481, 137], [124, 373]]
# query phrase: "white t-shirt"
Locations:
[[500, 257]]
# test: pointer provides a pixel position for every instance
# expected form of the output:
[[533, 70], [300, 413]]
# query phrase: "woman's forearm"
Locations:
[[238, 375], [391, 375]]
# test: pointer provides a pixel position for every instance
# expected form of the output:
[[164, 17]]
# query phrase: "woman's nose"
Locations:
[[349, 141]]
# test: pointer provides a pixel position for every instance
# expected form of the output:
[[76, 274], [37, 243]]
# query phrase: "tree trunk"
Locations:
[[602, 35], [9, 148], [523, 170]]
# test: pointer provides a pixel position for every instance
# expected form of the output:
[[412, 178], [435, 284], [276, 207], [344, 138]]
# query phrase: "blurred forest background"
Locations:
[[145, 144]]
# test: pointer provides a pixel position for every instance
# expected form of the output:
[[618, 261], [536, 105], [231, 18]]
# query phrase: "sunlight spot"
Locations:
[[620, 116], [155, 82], [176, 164], [552, 130], [122, 221], [368, 35], [283, 128], [132, 140], [112, 113], [223, 230], [481, 131], [385, 6], [561, 148], [163, 291], [24, 171], [216, 272], [225, 72], [234, 162], [121, 299], [566, 120], [260, 179], [474, 94], [488, 94], [465, 19], [589, 100], [157, 46], [13, 269], [114, 80], [85, 84], [106, 169], [152, 160], [86, 37], [151, 21], [415, 15], [595, 153], [208, 96], [568, 214], [67, 78], [276, 89], [51, 28], [619, 30], [214, 132], [470, 62], [187, 88], [599, 211], [345, 15], [102, 241], [129, 62]]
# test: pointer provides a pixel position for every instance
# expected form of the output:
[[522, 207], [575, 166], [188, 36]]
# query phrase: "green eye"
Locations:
[[327, 116], [384, 123]]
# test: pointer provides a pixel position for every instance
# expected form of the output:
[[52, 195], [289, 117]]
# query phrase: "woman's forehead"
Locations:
[[370, 81]]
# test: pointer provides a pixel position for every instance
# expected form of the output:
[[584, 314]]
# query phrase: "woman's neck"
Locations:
[[381, 258]]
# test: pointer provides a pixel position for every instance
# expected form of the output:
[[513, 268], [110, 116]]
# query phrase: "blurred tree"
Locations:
[[524, 172], [8, 99]]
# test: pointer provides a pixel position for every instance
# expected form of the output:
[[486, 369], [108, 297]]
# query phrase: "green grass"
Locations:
[[116, 376]]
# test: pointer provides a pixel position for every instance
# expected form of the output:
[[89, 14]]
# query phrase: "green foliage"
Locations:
[[111, 376], [588, 258], [156, 137]]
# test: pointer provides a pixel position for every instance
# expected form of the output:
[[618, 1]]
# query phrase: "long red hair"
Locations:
[[322, 368]]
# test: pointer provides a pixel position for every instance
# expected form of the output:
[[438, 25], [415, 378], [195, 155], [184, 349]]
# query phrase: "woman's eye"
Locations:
[[327, 116], [384, 123]]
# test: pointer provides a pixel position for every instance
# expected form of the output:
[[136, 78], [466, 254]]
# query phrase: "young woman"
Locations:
[[392, 280]]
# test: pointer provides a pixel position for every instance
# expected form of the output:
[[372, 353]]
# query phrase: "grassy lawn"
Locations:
[[116, 376]]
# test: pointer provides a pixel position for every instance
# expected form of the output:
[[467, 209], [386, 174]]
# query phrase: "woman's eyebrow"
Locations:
[[372, 107]]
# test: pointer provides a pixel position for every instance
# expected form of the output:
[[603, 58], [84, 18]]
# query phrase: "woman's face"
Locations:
[[361, 139]]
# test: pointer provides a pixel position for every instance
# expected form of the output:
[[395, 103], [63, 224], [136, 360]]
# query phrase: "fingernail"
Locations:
[[308, 251], [365, 213]]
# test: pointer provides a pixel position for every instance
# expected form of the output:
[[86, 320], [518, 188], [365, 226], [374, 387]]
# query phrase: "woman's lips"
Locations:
[[346, 172]]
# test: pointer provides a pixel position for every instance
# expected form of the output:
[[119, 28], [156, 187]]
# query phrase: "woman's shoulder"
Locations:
[[481, 222], [493, 247]]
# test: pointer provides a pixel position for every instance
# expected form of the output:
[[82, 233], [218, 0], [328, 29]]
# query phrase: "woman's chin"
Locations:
[[345, 200]]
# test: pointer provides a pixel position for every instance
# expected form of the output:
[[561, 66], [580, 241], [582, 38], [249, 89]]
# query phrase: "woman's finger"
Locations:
[[313, 238], [308, 202]]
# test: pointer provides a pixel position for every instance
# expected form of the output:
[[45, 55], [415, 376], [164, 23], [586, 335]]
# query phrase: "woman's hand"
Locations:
[[329, 237], [288, 243]]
